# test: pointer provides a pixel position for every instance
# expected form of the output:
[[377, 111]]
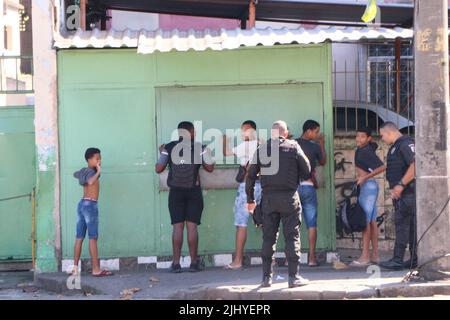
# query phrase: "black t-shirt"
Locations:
[[312, 150], [400, 156], [366, 158]]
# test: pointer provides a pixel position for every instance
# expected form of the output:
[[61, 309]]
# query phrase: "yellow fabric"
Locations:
[[371, 11]]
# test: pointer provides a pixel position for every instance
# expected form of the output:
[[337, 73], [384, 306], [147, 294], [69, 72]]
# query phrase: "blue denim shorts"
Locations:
[[241, 214], [368, 196], [87, 219], [308, 198]]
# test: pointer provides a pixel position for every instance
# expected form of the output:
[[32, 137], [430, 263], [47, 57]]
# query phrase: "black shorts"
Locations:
[[185, 205]]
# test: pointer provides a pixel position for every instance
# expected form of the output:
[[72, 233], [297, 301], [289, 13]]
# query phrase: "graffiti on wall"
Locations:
[[340, 162]]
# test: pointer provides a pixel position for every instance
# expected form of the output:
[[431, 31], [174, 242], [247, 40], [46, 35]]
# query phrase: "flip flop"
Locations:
[[103, 273], [75, 272], [230, 267], [356, 263]]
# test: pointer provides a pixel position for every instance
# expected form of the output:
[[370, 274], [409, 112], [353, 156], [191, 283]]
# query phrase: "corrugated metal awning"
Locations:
[[164, 41]]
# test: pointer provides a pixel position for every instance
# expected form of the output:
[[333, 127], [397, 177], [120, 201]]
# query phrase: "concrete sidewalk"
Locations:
[[215, 283]]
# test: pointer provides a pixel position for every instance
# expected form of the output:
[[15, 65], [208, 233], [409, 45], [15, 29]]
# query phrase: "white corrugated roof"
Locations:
[[163, 41]]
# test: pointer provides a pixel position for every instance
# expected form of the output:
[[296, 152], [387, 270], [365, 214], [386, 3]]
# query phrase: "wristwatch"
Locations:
[[401, 184]]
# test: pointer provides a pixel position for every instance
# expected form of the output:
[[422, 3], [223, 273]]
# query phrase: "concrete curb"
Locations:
[[246, 293], [226, 291], [417, 289], [58, 285]]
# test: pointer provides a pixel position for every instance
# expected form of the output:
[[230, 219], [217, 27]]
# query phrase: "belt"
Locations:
[[90, 199]]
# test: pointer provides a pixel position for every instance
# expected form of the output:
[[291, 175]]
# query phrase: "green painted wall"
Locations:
[[127, 104], [17, 177]]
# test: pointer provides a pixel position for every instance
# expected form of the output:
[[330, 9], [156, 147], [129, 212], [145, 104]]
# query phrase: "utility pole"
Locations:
[[432, 135]]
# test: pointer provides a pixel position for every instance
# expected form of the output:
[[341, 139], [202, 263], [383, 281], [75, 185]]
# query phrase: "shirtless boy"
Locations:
[[88, 211]]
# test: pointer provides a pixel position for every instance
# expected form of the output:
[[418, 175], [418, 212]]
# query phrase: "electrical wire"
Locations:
[[411, 269]]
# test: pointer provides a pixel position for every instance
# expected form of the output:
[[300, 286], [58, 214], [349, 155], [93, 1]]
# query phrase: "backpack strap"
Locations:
[[356, 190]]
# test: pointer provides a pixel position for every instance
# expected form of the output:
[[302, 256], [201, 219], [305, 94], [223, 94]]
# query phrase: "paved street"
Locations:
[[216, 283]]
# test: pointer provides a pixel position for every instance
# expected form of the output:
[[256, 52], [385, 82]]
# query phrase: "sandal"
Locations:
[[103, 273], [231, 267], [75, 272], [357, 264]]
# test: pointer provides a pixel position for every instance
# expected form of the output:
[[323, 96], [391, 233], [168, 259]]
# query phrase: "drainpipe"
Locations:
[[83, 4], [398, 46], [252, 14], [33, 227]]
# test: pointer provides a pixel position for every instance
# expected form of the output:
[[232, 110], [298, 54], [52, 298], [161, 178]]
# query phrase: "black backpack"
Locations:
[[350, 216], [184, 173]]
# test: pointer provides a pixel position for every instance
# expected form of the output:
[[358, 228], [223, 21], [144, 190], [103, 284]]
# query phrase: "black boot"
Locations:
[[267, 282], [393, 264], [297, 281], [407, 264], [396, 263], [175, 268], [197, 266]]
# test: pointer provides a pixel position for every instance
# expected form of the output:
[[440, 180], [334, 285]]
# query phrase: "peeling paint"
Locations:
[[46, 156]]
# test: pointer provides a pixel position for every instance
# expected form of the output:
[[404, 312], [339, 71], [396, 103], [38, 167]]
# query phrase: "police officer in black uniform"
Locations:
[[400, 173], [280, 164], [184, 158]]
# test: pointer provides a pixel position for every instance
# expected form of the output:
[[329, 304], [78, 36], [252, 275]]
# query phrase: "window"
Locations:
[[8, 38], [382, 76]]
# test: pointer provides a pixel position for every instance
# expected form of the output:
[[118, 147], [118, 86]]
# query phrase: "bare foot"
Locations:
[[375, 259], [312, 262]]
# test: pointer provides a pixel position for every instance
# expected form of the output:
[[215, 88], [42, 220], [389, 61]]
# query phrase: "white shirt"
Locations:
[[245, 151]]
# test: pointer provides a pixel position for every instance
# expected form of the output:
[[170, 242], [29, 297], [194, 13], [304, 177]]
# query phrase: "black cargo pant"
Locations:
[[405, 226], [285, 207]]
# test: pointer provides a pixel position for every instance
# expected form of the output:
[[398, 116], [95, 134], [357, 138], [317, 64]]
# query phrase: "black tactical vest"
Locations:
[[184, 168], [287, 178], [396, 165]]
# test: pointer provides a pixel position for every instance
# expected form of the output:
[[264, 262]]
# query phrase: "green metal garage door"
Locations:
[[226, 107], [17, 177]]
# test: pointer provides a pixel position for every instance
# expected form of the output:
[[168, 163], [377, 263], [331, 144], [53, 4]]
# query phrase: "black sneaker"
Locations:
[[197, 266], [267, 282], [176, 268], [297, 281], [392, 264]]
